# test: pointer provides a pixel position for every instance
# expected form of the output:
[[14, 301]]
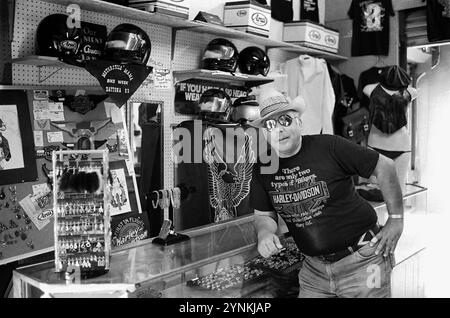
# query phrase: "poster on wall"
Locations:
[[11, 156], [17, 159], [120, 201]]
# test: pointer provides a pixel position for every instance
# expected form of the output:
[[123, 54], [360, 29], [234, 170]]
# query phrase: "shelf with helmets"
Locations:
[[222, 62], [193, 26], [41, 61], [220, 76]]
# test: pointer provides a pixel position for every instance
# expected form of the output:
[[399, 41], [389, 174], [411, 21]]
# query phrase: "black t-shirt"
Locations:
[[314, 193], [438, 20], [309, 10], [370, 26]]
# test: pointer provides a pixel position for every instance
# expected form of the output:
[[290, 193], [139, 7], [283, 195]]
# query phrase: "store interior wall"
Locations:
[[433, 112]]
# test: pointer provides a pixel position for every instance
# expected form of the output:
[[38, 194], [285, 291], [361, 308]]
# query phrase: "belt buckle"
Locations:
[[330, 258], [362, 240]]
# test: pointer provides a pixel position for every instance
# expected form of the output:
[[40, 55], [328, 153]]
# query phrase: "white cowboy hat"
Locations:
[[272, 102]]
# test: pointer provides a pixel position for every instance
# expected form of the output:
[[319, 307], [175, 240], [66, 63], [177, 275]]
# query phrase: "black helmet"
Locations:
[[245, 109], [127, 43], [254, 61], [220, 54], [55, 38], [215, 106]]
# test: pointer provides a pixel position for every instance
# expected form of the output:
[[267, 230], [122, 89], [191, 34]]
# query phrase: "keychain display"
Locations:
[[82, 218]]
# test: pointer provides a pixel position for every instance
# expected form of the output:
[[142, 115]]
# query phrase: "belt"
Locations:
[[364, 239]]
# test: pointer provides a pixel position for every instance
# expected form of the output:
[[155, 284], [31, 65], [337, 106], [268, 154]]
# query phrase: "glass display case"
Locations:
[[219, 260]]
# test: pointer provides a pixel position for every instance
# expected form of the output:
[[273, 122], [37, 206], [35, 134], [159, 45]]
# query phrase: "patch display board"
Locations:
[[28, 217]]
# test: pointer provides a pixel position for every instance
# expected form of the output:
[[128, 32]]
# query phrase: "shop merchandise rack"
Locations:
[[82, 219]]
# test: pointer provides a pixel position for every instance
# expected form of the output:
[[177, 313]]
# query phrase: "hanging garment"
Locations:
[[371, 26], [151, 173], [346, 99], [309, 77], [282, 10], [388, 112], [220, 180], [438, 20], [370, 76], [309, 10]]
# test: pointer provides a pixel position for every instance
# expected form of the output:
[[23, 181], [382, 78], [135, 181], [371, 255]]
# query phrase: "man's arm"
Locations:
[[389, 185], [266, 227]]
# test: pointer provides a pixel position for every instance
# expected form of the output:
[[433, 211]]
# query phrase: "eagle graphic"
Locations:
[[228, 188]]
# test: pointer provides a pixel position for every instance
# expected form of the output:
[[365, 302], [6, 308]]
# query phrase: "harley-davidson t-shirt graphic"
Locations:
[[370, 26], [299, 197], [313, 192]]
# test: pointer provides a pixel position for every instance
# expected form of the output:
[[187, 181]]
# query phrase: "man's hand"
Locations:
[[268, 245], [388, 237]]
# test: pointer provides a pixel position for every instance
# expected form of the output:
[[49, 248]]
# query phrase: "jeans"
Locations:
[[361, 274]]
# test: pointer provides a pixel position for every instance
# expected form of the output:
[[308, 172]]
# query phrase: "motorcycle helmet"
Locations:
[[55, 38], [215, 106], [220, 54], [127, 43], [254, 61], [245, 109]]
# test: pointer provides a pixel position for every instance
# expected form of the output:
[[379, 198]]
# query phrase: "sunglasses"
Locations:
[[284, 120]]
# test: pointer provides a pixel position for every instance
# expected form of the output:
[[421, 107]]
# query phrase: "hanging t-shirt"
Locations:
[[371, 26], [438, 20], [309, 10], [313, 192]]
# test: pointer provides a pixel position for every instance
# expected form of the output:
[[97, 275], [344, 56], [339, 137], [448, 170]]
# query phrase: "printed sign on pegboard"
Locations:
[[119, 81], [189, 92]]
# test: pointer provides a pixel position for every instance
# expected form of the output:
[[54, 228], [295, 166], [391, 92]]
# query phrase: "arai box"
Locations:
[[313, 35], [169, 7], [248, 16]]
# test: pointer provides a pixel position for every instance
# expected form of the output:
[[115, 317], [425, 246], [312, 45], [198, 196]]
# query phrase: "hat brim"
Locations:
[[297, 107]]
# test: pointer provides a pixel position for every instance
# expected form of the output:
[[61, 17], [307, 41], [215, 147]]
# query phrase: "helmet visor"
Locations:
[[215, 104], [219, 52], [126, 41]]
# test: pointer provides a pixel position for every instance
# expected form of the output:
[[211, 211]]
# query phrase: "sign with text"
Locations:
[[129, 228], [119, 81], [188, 93]]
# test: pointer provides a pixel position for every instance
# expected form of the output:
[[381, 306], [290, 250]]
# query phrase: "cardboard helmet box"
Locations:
[[248, 16], [313, 35], [173, 8]]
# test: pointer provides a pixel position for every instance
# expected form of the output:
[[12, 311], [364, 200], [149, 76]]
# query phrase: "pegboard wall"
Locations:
[[188, 50]]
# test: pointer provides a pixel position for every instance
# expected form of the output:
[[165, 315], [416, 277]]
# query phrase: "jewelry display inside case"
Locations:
[[82, 220]]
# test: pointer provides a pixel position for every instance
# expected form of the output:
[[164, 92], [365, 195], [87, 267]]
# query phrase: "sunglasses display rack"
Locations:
[[81, 211]]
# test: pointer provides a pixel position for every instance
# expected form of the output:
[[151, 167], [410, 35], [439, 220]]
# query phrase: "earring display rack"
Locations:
[[82, 219]]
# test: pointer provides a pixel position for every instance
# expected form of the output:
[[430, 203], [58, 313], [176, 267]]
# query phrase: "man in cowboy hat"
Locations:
[[347, 253]]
